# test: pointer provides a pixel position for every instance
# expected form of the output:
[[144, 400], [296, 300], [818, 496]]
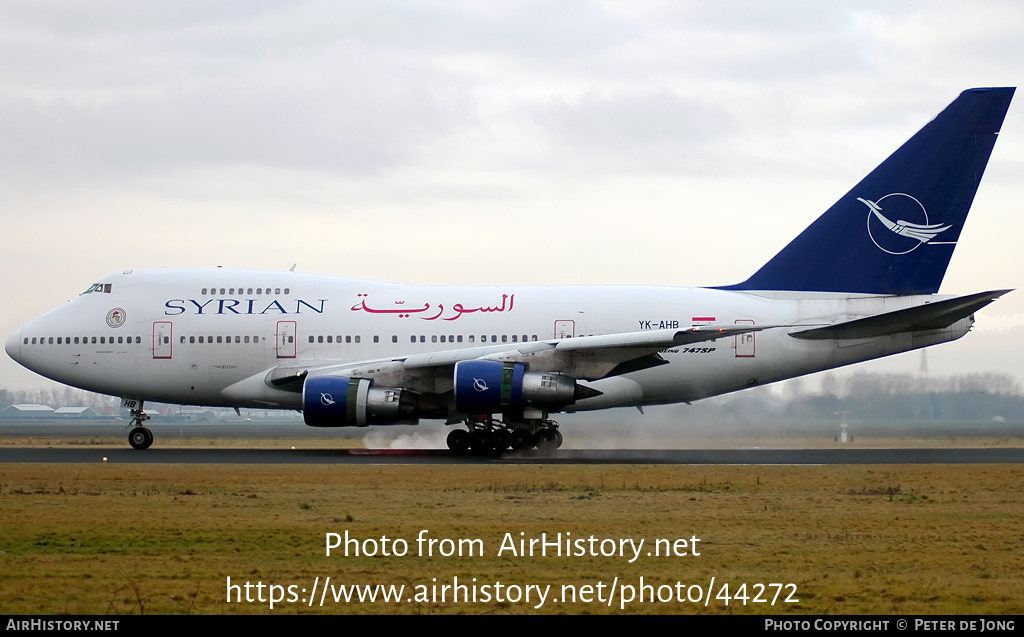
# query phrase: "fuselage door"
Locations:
[[744, 342], [286, 339], [565, 328], [162, 339]]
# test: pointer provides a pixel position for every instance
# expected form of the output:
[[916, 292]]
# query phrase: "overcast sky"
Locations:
[[671, 143]]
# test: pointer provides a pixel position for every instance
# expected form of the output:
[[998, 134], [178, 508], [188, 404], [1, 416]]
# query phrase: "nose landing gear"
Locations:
[[139, 437]]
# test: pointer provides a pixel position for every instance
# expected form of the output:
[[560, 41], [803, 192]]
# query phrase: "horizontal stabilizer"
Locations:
[[931, 316]]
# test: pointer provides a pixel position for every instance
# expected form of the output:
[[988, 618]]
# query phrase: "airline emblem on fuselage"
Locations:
[[116, 317], [900, 236]]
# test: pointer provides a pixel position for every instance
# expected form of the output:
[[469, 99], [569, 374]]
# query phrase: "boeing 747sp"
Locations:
[[860, 283]]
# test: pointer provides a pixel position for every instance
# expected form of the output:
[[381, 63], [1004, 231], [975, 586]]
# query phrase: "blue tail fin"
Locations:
[[895, 232]]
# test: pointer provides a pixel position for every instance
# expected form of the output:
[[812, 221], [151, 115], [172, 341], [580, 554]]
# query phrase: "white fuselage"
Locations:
[[189, 336]]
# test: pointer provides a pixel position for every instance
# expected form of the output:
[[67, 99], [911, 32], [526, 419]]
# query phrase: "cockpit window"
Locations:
[[98, 287]]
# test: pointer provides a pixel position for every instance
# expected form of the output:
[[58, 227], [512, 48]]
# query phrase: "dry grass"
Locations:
[[855, 539]]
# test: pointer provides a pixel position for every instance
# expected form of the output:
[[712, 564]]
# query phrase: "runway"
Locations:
[[571, 456]]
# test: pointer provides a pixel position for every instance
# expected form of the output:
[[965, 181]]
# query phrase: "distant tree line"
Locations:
[[888, 397], [862, 396]]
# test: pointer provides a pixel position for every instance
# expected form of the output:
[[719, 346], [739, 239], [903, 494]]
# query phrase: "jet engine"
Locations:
[[337, 401], [488, 387]]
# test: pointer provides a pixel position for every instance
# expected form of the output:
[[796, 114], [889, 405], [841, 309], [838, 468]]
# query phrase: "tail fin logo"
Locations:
[[900, 236]]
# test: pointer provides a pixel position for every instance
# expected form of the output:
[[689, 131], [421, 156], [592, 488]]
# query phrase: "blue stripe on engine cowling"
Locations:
[[325, 401], [478, 387]]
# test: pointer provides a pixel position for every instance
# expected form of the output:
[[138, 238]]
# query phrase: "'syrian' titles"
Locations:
[[428, 312], [242, 306]]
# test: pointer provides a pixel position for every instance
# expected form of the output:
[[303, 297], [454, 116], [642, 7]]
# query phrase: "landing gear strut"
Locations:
[[139, 437]]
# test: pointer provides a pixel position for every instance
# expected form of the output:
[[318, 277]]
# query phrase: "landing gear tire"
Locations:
[[458, 440], [481, 441], [502, 440], [548, 440], [521, 439], [140, 438]]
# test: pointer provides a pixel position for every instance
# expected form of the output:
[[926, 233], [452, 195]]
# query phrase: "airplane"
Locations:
[[861, 282]]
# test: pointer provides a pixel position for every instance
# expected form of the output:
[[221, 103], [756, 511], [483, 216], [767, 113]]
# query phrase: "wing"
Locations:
[[433, 373]]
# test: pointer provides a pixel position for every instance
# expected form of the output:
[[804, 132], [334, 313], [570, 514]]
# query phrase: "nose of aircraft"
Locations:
[[13, 346]]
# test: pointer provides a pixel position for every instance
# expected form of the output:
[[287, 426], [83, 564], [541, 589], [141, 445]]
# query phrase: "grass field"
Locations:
[[853, 539]]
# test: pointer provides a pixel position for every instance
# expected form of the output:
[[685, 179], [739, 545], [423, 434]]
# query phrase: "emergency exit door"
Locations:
[[286, 339], [162, 339]]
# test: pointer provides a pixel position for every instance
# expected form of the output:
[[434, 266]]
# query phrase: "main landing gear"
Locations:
[[139, 437], [495, 437]]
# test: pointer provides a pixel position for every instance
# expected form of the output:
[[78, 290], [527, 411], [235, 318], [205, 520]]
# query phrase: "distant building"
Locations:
[[74, 412], [27, 411]]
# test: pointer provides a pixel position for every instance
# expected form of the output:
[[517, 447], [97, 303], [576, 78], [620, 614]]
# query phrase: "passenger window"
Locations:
[[231, 291], [204, 291], [255, 339], [394, 338], [121, 340], [93, 340], [259, 290], [201, 340], [238, 339], [330, 339], [291, 339], [433, 339], [59, 341], [504, 338], [494, 338], [222, 290], [287, 291], [220, 339], [471, 338], [33, 341], [102, 340], [460, 338], [515, 338], [423, 339], [319, 339], [534, 337], [76, 340], [277, 290], [192, 339], [376, 339], [51, 340], [348, 339], [182, 339], [246, 339], [249, 291], [167, 340], [442, 338], [357, 338], [310, 339], [412, 339]]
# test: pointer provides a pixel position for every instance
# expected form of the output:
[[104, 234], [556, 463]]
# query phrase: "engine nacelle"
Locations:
[[488, 387], [337, 401]]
